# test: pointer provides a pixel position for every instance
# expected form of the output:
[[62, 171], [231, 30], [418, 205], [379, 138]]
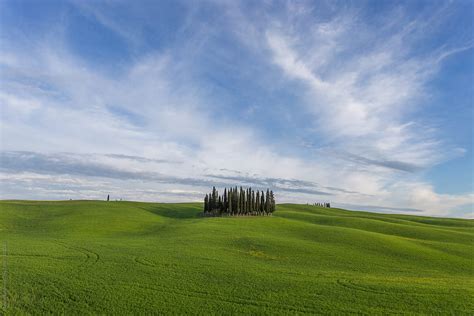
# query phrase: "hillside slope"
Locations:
[[128, 257]]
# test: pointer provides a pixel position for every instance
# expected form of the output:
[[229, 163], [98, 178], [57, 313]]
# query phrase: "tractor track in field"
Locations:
[[206, 295], [91, 257], [234, 300], [350, 284], [353, 286], [143, 261], [21, 255]]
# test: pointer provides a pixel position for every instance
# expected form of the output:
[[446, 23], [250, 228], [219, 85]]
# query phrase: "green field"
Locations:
[[82, 257]]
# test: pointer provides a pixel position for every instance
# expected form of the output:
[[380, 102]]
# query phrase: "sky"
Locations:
[[364, 104]]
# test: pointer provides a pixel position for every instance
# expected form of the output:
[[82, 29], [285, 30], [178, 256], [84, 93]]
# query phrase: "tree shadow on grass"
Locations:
[[177, 211]]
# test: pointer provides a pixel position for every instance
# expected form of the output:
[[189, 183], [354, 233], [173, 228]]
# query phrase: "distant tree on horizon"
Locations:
[[323, 204]]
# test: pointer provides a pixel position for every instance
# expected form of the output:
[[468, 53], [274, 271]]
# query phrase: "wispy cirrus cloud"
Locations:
[[227, 98], [362, 95]]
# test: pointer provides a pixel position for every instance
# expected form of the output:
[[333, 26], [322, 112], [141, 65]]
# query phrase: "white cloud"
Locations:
[[359, 88]]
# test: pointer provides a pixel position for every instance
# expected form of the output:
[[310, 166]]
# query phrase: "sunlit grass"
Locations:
[[128, 257]]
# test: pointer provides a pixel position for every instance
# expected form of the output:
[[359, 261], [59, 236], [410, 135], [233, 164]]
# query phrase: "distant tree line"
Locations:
[[328, 205], [239, 202]]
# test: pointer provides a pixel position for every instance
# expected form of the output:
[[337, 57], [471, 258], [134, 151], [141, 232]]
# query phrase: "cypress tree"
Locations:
[[242, 201], [257, 202], [272, 202], [249, 201], [231, 201], [206, 204], [267, 202], [253, 201], [245, 201], [225, 200], [237, 201], [213, 197], [262, 202], [209, 202]]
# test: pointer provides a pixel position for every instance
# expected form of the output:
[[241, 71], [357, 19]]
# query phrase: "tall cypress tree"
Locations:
[[249, 200], [213, 199], [254, 208], [230, 201], [237, 201], [247, 208], [209, 202], [257, 202], [206, 204], [272, 202], [225, 200], [267, 202], [242, 201]]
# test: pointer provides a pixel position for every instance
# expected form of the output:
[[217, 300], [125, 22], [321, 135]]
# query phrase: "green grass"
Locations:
[[89, 257]]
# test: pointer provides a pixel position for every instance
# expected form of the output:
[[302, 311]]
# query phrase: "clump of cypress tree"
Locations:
[[239, 201]]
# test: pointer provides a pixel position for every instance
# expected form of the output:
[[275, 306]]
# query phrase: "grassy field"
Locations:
[[82, 257]]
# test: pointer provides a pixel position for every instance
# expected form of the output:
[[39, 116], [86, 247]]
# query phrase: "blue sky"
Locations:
[[367, 104]]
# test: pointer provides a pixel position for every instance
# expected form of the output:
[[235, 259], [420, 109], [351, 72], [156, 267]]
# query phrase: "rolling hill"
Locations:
[[82, 257]]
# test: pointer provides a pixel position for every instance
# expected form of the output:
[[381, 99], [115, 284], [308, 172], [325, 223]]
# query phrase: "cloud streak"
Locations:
[[94, 166], [227, 99]]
